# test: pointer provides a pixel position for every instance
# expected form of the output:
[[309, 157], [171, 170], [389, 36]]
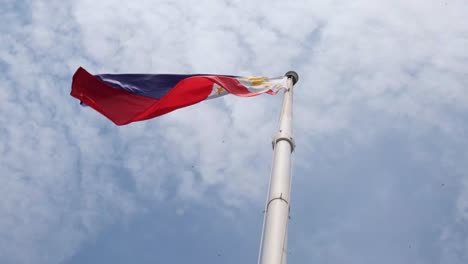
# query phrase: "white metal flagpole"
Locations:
[[275, 233]]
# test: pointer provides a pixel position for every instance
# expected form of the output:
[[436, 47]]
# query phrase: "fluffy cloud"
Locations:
[[381, 83]]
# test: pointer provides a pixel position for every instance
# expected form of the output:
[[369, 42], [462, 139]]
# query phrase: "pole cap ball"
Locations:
[[293, 75]]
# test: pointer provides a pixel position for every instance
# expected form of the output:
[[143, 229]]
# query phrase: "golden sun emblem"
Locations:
[[220, 90], [257, 80]]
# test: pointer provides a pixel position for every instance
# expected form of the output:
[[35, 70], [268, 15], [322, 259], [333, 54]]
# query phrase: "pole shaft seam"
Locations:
[[277, 198], [290, 140]]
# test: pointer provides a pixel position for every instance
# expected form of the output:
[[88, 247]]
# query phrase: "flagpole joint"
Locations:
[[280, 136], [277, 198]]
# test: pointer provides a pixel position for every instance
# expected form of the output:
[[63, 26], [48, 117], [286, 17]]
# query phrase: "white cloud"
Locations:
[[365, 67]]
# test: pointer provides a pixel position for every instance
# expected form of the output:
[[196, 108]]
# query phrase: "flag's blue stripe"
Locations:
[[149, 85]]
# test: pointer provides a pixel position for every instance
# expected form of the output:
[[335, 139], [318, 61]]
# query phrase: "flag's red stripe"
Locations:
[[231, 85], [123, 107]]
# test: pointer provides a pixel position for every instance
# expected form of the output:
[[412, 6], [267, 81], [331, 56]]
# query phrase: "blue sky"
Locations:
[[381, 127]]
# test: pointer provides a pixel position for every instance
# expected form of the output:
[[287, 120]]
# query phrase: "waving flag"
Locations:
[[126, 98]]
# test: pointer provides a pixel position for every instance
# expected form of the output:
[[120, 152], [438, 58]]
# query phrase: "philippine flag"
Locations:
[[126, 98]]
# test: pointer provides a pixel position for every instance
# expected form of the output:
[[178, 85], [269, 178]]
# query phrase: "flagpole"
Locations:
[[275, 233]]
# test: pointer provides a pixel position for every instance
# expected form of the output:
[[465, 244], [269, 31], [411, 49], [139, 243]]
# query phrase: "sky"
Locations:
[[380, 169]]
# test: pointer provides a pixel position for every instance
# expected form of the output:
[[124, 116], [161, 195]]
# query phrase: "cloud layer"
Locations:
[[380, 123]]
